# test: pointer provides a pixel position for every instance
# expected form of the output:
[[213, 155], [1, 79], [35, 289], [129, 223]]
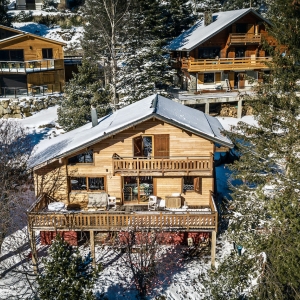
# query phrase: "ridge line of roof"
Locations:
[[209, 125]]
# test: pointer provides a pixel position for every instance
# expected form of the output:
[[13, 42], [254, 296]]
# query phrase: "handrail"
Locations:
[[237, 38], [117, 221], [162, 164]]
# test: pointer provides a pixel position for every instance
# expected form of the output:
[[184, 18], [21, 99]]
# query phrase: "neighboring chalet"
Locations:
[[35, 4], [222, 51], [29, 62], [147, 165]]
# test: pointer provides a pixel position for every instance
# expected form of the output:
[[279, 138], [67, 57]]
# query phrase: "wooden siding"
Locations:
[[181, 143]]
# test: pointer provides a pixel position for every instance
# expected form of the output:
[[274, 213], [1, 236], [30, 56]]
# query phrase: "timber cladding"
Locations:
[[181, 144]]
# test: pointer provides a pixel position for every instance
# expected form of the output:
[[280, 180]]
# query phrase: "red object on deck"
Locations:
[[69, 236]]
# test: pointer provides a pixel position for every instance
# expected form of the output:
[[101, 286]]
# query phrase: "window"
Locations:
[[86, 157], [11, 55], [209, 53], [240, 52], [142, 146], [151, 145], [47, 53], [191, 183], [87, 183], [209, 77], [241, 28]]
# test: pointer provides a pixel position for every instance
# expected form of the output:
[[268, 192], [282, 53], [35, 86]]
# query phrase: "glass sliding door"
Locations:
[[137, 189]]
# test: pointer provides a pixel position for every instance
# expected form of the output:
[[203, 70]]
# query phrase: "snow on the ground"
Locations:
[[114, 281], [227, 122], [69, 36]]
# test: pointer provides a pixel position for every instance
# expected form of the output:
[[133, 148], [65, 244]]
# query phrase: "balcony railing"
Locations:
[[163, 165], [31, 66], [244, 38], [122, 220], [223, 64]]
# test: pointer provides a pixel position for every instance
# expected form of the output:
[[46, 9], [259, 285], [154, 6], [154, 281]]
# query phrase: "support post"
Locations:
[[240, 108], [33, 250], [213, 247], [207, 107], [92, 241]]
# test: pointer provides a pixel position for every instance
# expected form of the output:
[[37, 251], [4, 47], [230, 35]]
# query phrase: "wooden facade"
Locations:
[[30, 62], [228, 58]]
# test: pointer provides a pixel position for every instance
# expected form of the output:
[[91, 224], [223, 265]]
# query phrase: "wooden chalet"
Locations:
[[30, 62], [222, 51], [152, 161]]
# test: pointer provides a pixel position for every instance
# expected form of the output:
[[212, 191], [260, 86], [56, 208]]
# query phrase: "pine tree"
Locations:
[[67, 275], [84, 90], [266, 222], [239, 4], [4, 17]]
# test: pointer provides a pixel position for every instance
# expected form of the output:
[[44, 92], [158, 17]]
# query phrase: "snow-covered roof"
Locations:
[[199, 33], [156, 106], [22, 33]]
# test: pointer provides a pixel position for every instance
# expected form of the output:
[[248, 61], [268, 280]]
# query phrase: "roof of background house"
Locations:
[[199, 33], [155, 105], [24, 33]]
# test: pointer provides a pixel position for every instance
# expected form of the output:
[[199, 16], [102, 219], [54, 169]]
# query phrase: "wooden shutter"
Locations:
[[198, 185], [138, 146], [161, 145], [218, 77], [39, 54], [56, 53], [250, 28], [200, 78]]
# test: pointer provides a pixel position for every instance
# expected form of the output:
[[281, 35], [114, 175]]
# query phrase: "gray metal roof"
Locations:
[[199, 33], [155, 105]]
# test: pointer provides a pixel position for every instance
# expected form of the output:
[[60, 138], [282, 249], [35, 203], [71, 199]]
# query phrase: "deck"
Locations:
[[143, 166], [244, 38], [225, 64], [167, 220]]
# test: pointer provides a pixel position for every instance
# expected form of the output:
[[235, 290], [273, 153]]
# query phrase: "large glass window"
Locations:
[[241, 28], [137, 188], [192, 183], [87, 183], [209, 77], [240, 52], [11, 55], [209, 53], [47, 53], [86, 157]]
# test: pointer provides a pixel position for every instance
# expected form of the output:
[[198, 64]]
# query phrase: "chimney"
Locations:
[[94, 116], [207, 18]]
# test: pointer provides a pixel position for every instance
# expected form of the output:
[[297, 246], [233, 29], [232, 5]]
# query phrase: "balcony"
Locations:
[[190, 220], [244, 39], [31, 66], [163, 166], [225, 64]]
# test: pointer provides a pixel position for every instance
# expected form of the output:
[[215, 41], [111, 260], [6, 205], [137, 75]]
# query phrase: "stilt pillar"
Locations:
[[213, 247], [240, 108], [92, 241], [34, 257], [207, 107]]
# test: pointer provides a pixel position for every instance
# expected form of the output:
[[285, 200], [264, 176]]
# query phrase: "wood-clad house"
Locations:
[[152, 150], [29, 62], [222, 51]]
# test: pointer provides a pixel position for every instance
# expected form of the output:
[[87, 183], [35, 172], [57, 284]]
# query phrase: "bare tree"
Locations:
[[15, 149], [150, 263]]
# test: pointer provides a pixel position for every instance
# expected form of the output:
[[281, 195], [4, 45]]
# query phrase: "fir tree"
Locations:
[[84, 90], [67, 275], [4, 17], [266, 223]]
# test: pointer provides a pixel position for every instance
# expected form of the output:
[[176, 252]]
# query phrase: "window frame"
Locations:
[[210, 82], [197, 184], [84, 154], [47, 51], [87, 189]]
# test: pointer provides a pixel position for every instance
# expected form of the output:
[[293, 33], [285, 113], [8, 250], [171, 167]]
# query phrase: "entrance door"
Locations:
[[161, 145]]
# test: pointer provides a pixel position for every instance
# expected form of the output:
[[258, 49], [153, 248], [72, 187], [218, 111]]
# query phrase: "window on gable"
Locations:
[[86, 157], [47, 53], [209, 53], [87, 183], [192, 183]]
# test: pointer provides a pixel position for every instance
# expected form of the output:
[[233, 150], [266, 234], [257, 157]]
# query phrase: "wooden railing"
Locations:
[[222, 64], [154, 164], [244, 38], [107, 221], [31, 66]]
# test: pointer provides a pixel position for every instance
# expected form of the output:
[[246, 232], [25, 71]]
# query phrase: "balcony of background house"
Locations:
[[68, 217], [225, 64], [244, 39], [163, 166], [31, 66]]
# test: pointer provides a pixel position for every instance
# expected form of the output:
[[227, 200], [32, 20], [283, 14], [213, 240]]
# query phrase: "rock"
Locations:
[[5, 103]]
